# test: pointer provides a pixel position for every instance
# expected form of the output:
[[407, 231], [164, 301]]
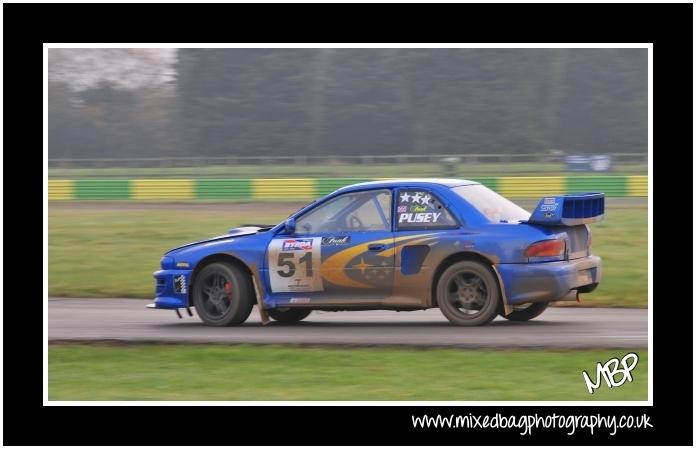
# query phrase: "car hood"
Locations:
[[233, 233]]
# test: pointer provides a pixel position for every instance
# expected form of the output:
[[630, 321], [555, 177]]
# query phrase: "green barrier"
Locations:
[[223, 189], [610, 185], [489, 181], [298, 188], [102, 189]]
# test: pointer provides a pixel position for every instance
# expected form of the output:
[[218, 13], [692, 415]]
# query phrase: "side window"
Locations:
[[352, 212], [368, 216], [420, 209]]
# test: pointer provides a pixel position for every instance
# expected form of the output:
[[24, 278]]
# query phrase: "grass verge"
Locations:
[[245, 372]]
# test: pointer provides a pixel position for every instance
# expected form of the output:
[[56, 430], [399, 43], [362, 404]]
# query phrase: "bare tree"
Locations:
[[123, 68]]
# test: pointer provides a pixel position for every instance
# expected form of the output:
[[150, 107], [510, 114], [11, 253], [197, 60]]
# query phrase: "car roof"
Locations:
[[411, 182]]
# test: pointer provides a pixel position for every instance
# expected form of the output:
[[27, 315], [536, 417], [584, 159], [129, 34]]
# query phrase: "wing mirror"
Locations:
[[290, 226]]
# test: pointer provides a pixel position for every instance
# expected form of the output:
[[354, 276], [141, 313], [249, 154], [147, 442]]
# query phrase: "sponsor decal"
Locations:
[[299, 300], [332, 241], [548, 214], [297, 245], [180, 284], [549, 200], [294, 265], [418, 208], [427, 217], [182, 264], [300, 284], [549, 207], [401, 209]]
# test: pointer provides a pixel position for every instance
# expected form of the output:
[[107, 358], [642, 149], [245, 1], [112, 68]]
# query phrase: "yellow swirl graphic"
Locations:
[[333, 269]]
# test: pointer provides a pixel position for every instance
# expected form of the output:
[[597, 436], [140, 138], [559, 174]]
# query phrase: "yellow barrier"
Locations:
[[61, 189], [283, 188], [531, 187], [154, 189], [637, 185]]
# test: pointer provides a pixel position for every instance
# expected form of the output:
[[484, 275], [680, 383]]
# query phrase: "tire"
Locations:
[[289, 315], [223, 295], [468, 294], [527, 313]]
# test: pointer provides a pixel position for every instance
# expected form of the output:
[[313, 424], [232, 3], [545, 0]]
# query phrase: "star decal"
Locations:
[[416, 197], [425, 199], [362, 265], [404, 197]]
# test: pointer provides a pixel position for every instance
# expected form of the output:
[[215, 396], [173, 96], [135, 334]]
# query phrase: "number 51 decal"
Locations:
[[293, 265], [285, 260]]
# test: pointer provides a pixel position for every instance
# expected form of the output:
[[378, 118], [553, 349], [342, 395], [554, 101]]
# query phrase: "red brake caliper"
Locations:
[[228, 288]]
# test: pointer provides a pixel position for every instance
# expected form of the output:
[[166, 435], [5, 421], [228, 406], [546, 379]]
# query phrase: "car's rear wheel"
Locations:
[[468, 294], [289, 315], [526, 312], [223, 295]]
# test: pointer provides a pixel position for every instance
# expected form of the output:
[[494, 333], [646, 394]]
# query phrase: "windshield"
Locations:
[[495, 207], [303, 207]]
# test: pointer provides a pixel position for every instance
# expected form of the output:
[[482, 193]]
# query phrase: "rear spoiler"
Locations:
[[569, 210]]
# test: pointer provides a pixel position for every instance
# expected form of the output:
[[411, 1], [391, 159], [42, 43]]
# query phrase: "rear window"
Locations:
[[493, 206]]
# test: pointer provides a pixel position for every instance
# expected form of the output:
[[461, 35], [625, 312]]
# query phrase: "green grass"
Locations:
[[621, 240], [207, 372], [283, 170], [106, 251]]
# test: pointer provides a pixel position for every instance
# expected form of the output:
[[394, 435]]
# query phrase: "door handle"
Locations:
[[376, 247]]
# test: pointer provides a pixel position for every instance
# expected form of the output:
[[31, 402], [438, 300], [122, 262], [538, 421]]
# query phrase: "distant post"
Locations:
[[450, 166]]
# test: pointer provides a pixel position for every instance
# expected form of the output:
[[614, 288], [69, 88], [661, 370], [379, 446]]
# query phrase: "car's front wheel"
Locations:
[[223, 295], [283, 315], [526, 312], [468, 294]]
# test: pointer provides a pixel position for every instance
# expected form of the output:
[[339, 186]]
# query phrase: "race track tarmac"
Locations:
[[127, 320]]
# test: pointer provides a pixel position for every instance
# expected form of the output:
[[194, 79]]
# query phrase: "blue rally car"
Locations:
[[408, 244]]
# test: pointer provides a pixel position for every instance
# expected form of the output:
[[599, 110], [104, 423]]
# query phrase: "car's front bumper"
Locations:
[[548, 281], [171, 289]]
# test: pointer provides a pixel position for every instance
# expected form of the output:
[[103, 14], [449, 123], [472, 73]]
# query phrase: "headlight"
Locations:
[[167, 263]]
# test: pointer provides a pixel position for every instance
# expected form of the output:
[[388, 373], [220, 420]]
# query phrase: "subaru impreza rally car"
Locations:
[[401, 245]]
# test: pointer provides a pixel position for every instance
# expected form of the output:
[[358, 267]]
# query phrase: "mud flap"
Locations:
[[259, 302], [507, 308]]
